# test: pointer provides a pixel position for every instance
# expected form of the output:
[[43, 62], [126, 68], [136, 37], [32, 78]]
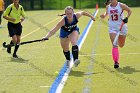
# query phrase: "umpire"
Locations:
[[15, 15]]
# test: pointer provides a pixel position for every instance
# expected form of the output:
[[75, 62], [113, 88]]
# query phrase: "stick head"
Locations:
[[4, 44]]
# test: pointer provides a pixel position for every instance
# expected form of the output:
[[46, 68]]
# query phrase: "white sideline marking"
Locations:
[[111, 54], [45, 86]]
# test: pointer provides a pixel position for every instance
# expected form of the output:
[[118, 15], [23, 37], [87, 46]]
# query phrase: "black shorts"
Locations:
[[14, 29]]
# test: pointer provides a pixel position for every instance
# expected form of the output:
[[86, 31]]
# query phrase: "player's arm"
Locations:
[[6, 16], [126, 8], [84, 13], [9, 18], [23, 15], [105, 14], [55, 29]]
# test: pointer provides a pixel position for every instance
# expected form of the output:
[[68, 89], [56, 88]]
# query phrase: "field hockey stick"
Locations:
[[22, 43], [117, 36]]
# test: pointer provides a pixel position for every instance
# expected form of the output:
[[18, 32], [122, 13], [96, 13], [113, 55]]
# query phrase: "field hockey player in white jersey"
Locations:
[[114, 10]]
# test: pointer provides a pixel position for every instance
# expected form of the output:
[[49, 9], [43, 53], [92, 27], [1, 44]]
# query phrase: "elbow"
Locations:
[[130, 12], [4, 17], [84, 13]]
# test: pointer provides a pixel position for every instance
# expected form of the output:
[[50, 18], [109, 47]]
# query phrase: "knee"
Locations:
[[65, 48], [14, 41], [18, 41], [121, 45]]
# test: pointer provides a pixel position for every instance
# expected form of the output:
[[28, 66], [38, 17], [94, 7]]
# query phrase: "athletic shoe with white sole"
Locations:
[[76, 62]]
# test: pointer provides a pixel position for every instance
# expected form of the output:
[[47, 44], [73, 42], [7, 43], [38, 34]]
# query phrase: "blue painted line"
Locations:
[[81, 37], [64, 68]]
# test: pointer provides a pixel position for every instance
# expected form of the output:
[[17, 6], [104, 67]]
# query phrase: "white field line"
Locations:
[[39, 28], [45, 86], [111, 54]]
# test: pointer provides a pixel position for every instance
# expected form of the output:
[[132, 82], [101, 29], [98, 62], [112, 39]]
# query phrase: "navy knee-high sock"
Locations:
[[67, 55], [75, 52]]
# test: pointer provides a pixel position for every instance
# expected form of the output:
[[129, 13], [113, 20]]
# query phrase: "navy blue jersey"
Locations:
[[70, 26]]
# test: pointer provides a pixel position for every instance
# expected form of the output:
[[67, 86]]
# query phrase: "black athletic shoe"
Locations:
[[15, 56], [9, 50], [116, 65]]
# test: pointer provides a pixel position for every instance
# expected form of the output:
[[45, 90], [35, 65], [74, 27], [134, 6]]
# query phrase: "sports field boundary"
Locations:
[[60, 80]]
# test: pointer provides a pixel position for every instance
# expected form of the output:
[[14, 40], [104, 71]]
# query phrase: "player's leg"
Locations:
[[121, 40], [17, 46], [12, 34], [65, 46], [115, 51], [75, 50], [13, 41], [122, 37], [9, 48], [18, 30]]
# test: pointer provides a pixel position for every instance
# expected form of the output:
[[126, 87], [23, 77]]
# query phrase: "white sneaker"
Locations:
[[76, 62], [67, 63]]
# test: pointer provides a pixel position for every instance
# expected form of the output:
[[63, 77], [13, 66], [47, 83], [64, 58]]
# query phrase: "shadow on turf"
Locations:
[[21, 60], [18, 60], [81, 74], [127, 70]]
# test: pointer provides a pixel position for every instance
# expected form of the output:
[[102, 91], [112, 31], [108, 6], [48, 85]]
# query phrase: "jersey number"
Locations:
[[114, 17]]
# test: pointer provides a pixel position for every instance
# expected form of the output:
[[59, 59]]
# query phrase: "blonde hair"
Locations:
[[69, 8]]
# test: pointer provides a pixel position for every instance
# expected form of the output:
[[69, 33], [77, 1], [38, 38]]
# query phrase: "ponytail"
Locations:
[[61, 14]]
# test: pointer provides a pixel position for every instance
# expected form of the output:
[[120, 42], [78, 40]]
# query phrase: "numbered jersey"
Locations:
[[115, 15], [115, 19]]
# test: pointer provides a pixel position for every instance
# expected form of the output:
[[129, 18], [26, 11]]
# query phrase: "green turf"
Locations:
[[34, 71], [96, 74]]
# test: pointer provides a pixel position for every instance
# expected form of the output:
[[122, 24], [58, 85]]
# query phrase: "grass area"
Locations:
[[96, 74], [34, 70]]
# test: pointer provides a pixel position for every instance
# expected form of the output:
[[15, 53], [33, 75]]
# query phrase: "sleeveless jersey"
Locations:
[[69, 27], [115, 15]]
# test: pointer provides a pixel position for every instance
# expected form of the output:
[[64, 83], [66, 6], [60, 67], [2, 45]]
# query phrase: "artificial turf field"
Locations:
[[34, 71]]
